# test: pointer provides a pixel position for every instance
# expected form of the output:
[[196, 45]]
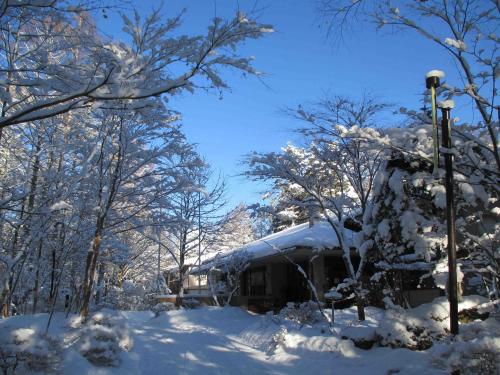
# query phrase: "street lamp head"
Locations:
[[432, 82], [432, 78], [446, 104], [435, 73]]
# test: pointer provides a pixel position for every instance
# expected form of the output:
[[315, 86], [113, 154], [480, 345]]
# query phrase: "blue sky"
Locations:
[[301, 65]]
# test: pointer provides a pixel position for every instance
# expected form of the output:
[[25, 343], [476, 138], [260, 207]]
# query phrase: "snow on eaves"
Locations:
[[318, 237], [191, 261]]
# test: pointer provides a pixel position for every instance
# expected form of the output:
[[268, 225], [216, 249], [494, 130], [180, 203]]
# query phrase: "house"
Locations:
[[192, 283], [272, 277]]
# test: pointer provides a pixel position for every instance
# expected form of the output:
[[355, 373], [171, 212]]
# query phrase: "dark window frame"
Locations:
[[253, 289]]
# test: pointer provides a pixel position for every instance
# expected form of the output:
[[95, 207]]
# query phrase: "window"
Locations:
[[417, 280], [193, 280], [335, 271], [256, 281]]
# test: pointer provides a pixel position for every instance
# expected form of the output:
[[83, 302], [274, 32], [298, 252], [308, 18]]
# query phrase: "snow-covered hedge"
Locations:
[[301, 313], [102, 339], [420, 328], [26, 350], [475, 351], [278, 340], [415, 329], [161, 307], [190, 303]]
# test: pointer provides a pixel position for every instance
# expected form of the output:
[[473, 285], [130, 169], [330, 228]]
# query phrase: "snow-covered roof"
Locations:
[[191, 260], [318, 237]]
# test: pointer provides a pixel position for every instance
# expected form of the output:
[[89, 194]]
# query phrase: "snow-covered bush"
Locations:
[[478, 356], [26, 350], [161, 307], [417, 328], [301, 313], [421, 327], [190, 303], [277, 340], [362, 336], [414, 329], [399, 330], [103, 338], [481, 310]]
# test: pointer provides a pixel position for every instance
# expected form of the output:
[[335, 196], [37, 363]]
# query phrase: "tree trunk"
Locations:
[[90, 274], [182, 273], [37, 278], [106, 287], [52, 277], [100, 277], [361, 308], [8, 286], [211, 283], [5, 297]]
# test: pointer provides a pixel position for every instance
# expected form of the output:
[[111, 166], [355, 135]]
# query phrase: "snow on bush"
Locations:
[[363, 336], [302, 314], [162, 307], [190, 303], [260, 334], [26, 350], [480, 355], [278, 340], [103, 338], [492, 308], [421, 327], [414, 330]]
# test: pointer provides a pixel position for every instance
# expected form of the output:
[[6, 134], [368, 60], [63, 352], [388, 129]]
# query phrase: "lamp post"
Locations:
[[432, 82], [446, 107], [158, 265], [199, 241]]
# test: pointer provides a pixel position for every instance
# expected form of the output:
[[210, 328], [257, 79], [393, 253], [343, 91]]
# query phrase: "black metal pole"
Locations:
[[159, 269], [450, 219], [199, 240], [432, 83]]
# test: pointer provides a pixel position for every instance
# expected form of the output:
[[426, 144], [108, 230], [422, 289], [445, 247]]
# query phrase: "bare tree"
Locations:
[[232, 266], [192, 217], [465, 29], [336, 173], [128, 180], [51, 63]]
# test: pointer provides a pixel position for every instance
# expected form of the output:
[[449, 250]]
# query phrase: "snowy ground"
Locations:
[[232, 341]]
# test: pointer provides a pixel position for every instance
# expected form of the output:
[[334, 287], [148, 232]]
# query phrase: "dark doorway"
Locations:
[[335, 271], [297, 289]]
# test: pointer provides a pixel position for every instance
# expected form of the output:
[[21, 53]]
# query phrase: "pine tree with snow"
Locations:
[[406, 220]]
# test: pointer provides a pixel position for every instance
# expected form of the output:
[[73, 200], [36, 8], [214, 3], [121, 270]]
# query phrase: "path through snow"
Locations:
[[232, 341], [211, 341]]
